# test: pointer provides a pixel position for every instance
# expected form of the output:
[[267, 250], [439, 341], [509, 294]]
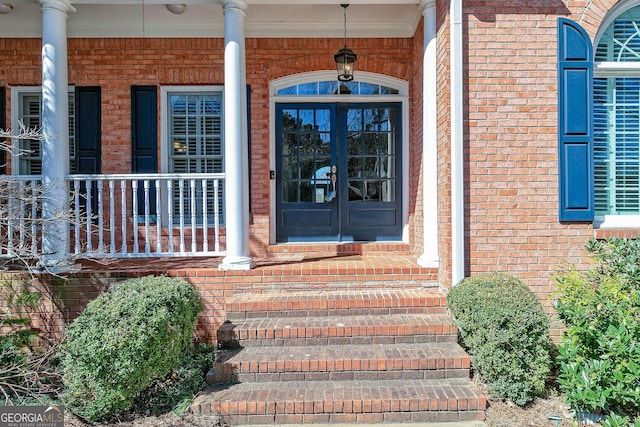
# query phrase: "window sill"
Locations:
[[622, 226]]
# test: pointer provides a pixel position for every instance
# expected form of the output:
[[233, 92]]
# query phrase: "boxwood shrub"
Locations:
[[505, 330], [136, 332]]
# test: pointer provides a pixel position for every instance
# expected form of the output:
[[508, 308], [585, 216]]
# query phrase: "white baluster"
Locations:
[[216, 215], [170, 213], [134, 202], [87, 186], [205, 231], [147, 248], [76, 204], [123, 213], [158, 217], [181, 186], [34, 216], [100, 219], [22, 212], [192, 200], [112, 218]]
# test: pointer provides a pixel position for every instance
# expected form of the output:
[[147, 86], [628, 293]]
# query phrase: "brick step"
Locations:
[[339, 363], [371, 401], [335, 303], [338, 330]]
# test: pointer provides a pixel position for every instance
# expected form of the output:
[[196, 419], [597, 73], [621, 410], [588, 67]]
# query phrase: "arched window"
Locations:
[[324, 83], [616, 119]]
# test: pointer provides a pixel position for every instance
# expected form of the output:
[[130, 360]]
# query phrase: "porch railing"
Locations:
[[20, 209], [131, 215], [142, 215]]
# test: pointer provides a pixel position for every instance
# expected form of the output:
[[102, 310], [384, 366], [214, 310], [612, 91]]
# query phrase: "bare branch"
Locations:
[[23, 132]]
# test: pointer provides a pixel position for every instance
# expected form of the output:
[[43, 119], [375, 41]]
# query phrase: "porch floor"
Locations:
[[389, 267]]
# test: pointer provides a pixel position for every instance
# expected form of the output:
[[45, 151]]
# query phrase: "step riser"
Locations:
[[338, 330], [336, 303], [239, 316], [368, 418], [297, 342], [230, 377]]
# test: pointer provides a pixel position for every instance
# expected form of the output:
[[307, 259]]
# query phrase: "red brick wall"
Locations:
[[444, 136], [416, 173], [510, 122]]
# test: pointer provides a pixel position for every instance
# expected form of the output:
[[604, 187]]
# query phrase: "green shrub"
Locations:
[[176, 391], [138, 331], [503, 326], [600, 352]]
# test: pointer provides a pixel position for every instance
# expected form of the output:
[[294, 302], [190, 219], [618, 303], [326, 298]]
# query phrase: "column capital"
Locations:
[[234, 4], [427, 4], [63, 6]]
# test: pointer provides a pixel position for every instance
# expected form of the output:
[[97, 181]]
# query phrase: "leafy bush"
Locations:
[[503, 326], [600, 351], [176, 391], [137, 332]]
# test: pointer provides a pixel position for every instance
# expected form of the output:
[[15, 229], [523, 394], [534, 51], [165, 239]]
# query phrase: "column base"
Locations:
[[428, 261], [237, 263], [57, 266]]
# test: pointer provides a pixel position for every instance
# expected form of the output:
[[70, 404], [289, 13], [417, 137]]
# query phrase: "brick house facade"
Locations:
[[492, 195]]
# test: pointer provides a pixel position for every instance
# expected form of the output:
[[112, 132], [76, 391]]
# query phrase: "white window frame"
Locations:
[[165, 91], [607, 69], [17, 93]]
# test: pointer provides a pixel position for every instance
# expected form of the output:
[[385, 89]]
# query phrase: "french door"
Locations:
[[338, 172]]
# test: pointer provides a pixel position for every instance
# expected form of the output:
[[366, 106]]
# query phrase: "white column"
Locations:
[[457, 143], [430, 256], [55, 127], [236, 139]]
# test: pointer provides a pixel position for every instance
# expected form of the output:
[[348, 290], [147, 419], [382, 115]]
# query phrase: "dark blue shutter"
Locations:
[[144, 138], [3, 124], [144, 129], [575, 128], [88, 137], [88, 130]]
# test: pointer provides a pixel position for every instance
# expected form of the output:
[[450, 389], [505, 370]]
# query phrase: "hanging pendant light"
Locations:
[[345, 58]]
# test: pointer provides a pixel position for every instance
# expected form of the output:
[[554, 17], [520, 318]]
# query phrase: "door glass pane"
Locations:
[[306, 154], [354, 143], [371, 154]]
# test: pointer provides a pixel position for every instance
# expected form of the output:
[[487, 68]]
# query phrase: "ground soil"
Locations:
[[501, 413]]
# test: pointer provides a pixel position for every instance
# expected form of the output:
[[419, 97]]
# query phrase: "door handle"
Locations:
[[332, 194]]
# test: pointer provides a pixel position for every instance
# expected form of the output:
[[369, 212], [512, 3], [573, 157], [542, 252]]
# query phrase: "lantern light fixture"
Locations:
[[345, 58]]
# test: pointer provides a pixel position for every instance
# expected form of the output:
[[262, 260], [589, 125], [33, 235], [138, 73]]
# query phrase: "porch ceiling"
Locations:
[[204, 18]]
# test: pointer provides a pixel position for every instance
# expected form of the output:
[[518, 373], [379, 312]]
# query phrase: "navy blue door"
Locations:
[[338, 174]]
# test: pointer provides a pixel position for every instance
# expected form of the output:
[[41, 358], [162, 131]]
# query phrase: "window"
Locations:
[[616, 121], [193, 138], [332, 88], [29, 112]]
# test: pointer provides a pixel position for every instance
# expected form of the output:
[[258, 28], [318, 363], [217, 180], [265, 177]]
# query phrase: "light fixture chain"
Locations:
[[143, 19], [344, 8]]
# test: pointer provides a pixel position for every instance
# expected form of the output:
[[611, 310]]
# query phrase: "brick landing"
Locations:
[[374, 355], [288, 268]]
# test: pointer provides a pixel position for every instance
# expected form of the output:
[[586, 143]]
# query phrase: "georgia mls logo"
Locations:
[[31, 416]]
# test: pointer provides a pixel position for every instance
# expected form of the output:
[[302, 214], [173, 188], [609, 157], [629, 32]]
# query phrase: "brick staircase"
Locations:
[[340, 356]]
